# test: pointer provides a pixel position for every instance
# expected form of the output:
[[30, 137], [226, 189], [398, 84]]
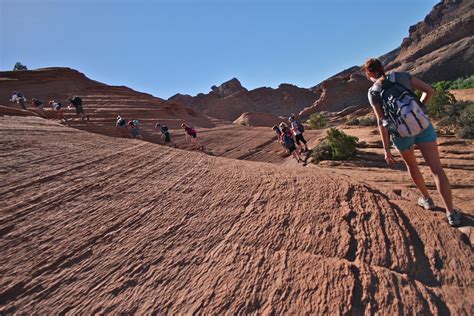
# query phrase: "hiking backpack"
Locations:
[[164, 128], [20, 95], [76, 101], [288, 140], [300, 126], [403, 113]]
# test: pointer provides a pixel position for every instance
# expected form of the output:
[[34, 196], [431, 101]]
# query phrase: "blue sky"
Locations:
[[164, 47]]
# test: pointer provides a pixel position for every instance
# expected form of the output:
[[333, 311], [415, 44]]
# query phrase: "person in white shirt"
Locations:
[[18, 97]]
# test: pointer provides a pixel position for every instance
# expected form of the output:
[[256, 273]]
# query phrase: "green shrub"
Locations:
[[466, 122], [437, 104], [19, 66], [317, 120], [353, 122], [335, 146], [368, 121]]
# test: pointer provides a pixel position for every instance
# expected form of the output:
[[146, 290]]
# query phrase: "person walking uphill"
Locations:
[[18, 97], [191, 134], [287, 139], [298, 130], [165, 134], [400, 116], [76, 102]]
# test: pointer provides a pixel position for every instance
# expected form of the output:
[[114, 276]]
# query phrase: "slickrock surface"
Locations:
[[93, 224]]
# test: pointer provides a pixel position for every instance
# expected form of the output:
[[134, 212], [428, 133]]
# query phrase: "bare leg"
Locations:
[[412, 165], [431, 155]]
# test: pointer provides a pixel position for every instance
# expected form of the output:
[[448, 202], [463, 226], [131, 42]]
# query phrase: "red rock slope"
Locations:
[[102, 102], [92, 224]]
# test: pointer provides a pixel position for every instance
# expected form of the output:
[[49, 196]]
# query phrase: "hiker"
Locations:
[[401, 116], [134, 129], [287, 139], [76, 102], [58, 107], [18, 97], [165, 134], [191, 134], [277, 131], [38, 105], [298, 130], [121, 125]]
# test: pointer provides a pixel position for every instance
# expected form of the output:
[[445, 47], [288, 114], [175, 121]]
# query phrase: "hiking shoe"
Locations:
[[454, 218], [427, 203]]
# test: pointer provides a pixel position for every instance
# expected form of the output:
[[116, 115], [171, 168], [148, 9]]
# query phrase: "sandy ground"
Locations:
[[96, 224]]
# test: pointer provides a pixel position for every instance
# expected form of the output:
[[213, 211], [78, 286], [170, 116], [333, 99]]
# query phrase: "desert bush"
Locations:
[[439, 101], [466, 122], [458, 84], [353, 122], [337, 145], [19, 66], [317, 120], [368, 121]]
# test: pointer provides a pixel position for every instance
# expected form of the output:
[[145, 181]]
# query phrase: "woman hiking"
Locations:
[[400, 117], [287, 139], [191, 134]]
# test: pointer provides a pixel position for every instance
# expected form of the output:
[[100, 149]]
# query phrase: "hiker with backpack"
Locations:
[[121, 125], [191, 134], [165, 134], [76, 102], [38, 105], [401, 117], [277, 131], [288, 141], [58, 107], [298, 130], [134, 129], [18, 97]]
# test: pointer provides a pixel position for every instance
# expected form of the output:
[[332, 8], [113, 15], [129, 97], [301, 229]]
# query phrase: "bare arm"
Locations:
[[384, 133], [427, 90]]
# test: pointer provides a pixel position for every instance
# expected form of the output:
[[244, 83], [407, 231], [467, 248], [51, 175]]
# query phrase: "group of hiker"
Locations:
[[400, 116], [131, 128], [76, 102], [291, 137]]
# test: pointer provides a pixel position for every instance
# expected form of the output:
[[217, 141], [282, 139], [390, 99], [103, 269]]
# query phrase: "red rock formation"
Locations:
[[102, 102], [258, 119], [441, 46], [339, 93], [230, 100]]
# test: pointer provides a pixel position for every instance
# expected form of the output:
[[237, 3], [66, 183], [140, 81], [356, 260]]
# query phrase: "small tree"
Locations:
[[440, 99], [19, 66], [335, 146], [317, 120]]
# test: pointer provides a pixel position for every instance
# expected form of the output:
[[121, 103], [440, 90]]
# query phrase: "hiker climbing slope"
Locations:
[[401, 117], [165, 134], [121, 125], [287, 139], [298, 130], [76, 102], [18, 97], [191, 135]]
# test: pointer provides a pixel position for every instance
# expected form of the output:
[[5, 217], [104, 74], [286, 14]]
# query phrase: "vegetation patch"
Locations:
[[337, 145]]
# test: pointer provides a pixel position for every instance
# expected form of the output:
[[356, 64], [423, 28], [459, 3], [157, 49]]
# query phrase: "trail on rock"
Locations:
[[94, 224]]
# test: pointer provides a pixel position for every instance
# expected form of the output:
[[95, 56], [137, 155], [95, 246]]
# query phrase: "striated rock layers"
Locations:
[[101, 102], [441, 46], [230, 100]]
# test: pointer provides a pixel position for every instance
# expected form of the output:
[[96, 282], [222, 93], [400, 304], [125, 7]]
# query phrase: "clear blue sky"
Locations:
[[164, 47]]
